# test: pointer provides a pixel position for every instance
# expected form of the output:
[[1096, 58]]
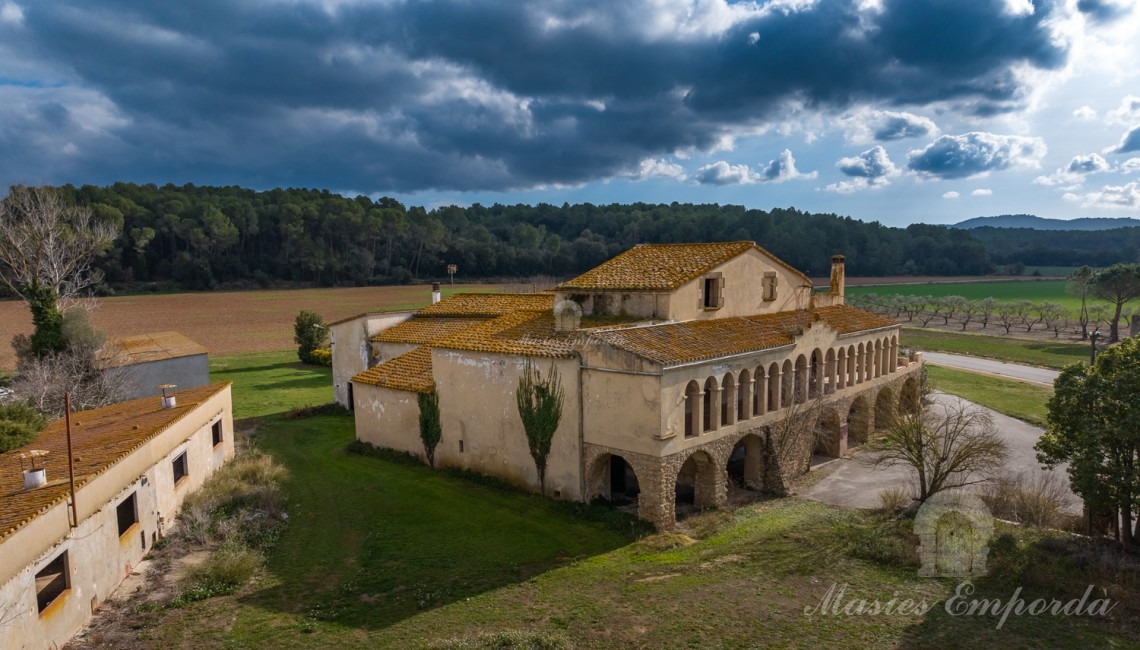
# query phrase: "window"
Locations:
[[180, 469], [712, 291], [128, 514], [52, 582], [216, 433], [769, 286]]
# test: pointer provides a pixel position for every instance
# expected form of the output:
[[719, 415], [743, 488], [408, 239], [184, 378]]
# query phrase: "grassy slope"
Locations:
[[383, 554], [1038, 353], [272, 382], [1017, 399]]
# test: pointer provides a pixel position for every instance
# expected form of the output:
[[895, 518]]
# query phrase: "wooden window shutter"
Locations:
[[720, 290]]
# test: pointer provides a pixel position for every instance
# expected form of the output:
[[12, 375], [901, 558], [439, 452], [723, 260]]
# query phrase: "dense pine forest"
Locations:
[[199, 237]]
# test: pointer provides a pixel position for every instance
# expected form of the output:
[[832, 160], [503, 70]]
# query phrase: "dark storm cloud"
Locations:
[[493, 95], [1101, 10], [974, 154]]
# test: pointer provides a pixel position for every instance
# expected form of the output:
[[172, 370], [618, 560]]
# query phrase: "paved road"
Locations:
[[989, 366], [853, 483]]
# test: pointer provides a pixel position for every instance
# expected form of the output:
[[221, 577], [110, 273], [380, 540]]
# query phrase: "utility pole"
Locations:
[[70, 458]]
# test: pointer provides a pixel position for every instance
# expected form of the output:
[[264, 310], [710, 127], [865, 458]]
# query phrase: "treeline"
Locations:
[[198, 237], [1096, 248]]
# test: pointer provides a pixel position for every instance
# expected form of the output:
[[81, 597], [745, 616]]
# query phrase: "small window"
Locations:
[[461, 446], [180, 469], [52, 582], [769, 286], [128, 514], [712, 293], [216, 433]]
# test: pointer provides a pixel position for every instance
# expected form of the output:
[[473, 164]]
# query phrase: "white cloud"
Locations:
[[754, 38], [870, 169], [1129, 166], [657, 168], [11, 13], [976, 154], [982, 192], [783, 168], [1129, 142], [1074, 173], [865, 126], [1085, 113], [1127, 113], [1112, 197], [950, 195]]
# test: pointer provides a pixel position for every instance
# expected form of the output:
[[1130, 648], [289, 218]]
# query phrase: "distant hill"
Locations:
[[1040, 223]]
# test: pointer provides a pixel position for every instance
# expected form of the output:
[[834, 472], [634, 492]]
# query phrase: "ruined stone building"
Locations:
[[62, 553], [685, 367]]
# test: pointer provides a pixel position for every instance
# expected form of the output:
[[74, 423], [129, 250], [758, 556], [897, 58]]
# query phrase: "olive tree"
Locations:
[[1118, 284]]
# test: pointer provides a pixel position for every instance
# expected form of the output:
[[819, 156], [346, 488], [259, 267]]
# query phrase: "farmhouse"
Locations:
[[148, 361], [689, 370], [61, 555]]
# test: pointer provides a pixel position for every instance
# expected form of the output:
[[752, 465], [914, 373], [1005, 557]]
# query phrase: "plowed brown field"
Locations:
[[229, 322]]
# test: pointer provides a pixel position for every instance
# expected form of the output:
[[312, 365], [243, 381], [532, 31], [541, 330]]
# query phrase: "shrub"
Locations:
[[511, 640], [321, 357], [893, 500], [309, 333], [19, 424], [1039, 500]]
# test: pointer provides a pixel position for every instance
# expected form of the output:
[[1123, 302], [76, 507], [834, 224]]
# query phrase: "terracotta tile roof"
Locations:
[[657, 267], [101, 437], [675, 343], [421, 330], [149, 347], [529, 333], [410, 372], [848, 320], [488, 305]]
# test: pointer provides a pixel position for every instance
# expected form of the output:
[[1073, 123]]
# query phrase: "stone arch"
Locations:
[[860, 358], [744, 396], [615, 480], [693, 403], [727, 400], [858, 421], [801, 382], [828, 436], [841, 367], [886, 363], [909, 399], [868, 362], [852, 365], [746, 463], [759, 392], [877, 360], [816, 372], [885, 412], [894, 354], [699, 482], [774, 388], [830, 376], [567, 316], [787, 383], [708, 405]]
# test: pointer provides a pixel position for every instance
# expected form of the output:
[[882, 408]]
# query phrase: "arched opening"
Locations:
[[692, 409], [894, 354], [909, 400], [707, 405], [868, 362], [801, 380], [815, 374], [727, 400], [827, 437], [746, 465], [787, 383], [884, 409], [887, 363], [774, 387], [858, 422], [744, 396], [859, 363], [877, 360], [830, 378], [696, 483], [612, 478], [759, 393], [851, 366], [841, 367]]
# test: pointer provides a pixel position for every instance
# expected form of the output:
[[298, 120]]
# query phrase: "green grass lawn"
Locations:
[[1018, 399], [385, 554], [272, 382], [1050, 354], [1032, 290]]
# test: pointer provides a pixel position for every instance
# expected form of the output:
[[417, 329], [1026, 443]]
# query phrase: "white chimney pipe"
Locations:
[[435, 293]]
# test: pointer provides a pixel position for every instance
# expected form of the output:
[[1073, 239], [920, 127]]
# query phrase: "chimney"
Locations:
[[435, 294], [36, 476], [168, 399], [837, 279]]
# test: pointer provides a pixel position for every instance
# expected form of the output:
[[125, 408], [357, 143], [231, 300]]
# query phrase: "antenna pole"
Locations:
[[70, 458]]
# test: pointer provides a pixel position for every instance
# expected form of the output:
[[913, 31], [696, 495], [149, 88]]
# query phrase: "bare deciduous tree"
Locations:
[[948, 444]]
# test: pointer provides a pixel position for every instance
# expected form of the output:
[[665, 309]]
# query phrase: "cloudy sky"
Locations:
[[896, 110]]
